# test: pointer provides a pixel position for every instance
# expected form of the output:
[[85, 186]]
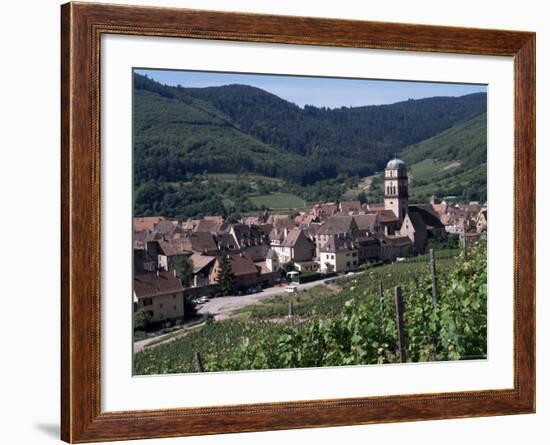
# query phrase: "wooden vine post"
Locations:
[[290, 313], [400, 324], [435, 291], [198, 362]]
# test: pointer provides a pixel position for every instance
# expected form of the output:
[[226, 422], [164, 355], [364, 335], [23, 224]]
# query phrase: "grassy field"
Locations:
[[431, 169], [233, 177], [278, 201], [453, 184]]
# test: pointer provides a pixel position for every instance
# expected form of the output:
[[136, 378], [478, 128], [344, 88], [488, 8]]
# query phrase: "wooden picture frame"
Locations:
[[82, 419]]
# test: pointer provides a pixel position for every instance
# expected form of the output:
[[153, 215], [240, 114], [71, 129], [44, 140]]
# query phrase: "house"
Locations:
[[189, 224], [429, 216], [144, 261], [341, 226], [245, 272], [277, 236], [214, 218], [295, 247], [146, 223], [351, 208], [393, 246], [323, 211], [304, 219], [481, 223], [201, 242], [141, 237], [415, 229], [160, 294], [170, 251], [389, 223], [202, 266], [368, 248], [272, 261], [253, 241], [208, 225], [402, 246], [338, 254], [375, 207], [226, 242], [253, 220], [165, 228], [368, 223], [307, 266], [280, 221], [441, 209]]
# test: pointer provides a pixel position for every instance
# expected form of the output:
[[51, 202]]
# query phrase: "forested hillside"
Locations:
[[451, 163], [183, 137]]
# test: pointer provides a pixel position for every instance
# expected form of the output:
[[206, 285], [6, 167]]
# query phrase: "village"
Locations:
[[196, 259]]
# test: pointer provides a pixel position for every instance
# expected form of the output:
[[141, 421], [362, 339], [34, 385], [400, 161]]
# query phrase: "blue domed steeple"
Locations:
[[396, 164]]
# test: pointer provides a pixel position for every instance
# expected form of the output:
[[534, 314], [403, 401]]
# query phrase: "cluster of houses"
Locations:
[[330, 238]]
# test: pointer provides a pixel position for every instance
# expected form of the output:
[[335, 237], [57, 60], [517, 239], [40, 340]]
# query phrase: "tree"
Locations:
[[142, 319], [225, 277], [288, 267], [184, 270]]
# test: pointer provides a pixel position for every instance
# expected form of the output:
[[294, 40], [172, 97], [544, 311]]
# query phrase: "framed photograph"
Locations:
[[275, 222]]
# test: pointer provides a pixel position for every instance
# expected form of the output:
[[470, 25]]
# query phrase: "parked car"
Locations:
[[204, 299], [291, 289]]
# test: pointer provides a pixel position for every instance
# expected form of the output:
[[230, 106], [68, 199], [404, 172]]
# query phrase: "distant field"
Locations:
[[278, 201], [233, 177], [431, 169], [454, 184]]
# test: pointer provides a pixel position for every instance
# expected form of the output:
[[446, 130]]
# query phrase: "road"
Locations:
[[223, 307]]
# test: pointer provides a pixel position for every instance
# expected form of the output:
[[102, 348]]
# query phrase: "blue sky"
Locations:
[[319, 91]]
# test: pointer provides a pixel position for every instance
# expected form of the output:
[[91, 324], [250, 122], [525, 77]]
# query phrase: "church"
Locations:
[[419, 221]]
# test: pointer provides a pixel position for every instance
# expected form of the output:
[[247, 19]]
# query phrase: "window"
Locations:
[[174, 296], [175, 308], [160, 305], [147, 301], [347, 263]]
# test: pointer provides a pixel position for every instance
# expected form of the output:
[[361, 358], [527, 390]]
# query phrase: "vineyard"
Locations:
[[351, 323]]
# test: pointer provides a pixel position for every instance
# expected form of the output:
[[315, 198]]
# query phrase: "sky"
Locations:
[[318, 91]]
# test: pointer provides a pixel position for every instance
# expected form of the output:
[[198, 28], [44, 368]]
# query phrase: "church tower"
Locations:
[[396, 188]]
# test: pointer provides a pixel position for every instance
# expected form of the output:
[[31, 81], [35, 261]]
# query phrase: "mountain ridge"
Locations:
[[180, 133]]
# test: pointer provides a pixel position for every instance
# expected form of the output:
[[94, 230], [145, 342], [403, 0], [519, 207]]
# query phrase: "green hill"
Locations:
[[451, 163], [187, 139]]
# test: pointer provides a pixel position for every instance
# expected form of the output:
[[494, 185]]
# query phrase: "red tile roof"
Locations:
[[146, 223], [152, 284]]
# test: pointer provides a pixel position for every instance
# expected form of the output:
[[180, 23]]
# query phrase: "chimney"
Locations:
[[158, 273], [175, 275]]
